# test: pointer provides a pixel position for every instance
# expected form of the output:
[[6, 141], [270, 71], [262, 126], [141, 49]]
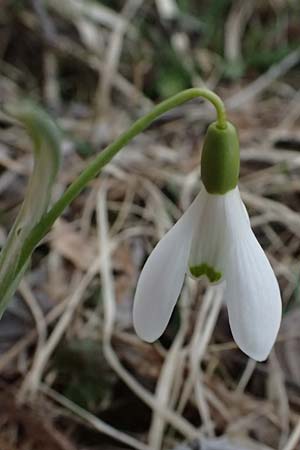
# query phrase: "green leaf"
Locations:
[[46, 139]]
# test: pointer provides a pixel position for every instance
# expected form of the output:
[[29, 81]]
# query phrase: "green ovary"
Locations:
[[205, 269]]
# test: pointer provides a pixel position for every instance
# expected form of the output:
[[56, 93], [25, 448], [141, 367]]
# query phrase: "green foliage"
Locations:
[[169, 81], [233, 70], [45, 138], [168, 73], [265, 41], [214, 16], [264, 59]]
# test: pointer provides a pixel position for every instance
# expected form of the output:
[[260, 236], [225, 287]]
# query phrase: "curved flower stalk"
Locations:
[[34, 221], [213, 239]]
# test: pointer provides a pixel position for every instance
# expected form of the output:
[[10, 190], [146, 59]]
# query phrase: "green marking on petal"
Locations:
[[205, 269]]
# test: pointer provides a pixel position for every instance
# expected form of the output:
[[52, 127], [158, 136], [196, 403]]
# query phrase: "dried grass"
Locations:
[[194, 387]]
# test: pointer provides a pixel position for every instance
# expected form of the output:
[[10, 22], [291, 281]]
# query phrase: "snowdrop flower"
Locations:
[[214, 239]]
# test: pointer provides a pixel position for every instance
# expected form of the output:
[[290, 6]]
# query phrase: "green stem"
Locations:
[[107, 154]]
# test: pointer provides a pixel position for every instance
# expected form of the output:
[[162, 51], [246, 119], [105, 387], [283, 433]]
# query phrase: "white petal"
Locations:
[[210, 238], [252, 292], [162, 277]]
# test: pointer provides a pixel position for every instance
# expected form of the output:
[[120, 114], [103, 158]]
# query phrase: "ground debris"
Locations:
[[28, 427]]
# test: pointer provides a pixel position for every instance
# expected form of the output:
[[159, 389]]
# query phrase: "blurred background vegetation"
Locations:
[[73, 375]]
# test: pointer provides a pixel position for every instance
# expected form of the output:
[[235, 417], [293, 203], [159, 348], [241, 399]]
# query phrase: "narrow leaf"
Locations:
[[46, 139]]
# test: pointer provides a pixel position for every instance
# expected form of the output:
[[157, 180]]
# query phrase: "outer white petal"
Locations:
[[162, 277], [252, 292]]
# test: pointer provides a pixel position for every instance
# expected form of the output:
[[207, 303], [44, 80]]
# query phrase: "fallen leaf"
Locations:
[[73, 246]]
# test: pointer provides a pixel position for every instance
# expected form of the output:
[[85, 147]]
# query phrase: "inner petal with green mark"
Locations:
[[205, 269]]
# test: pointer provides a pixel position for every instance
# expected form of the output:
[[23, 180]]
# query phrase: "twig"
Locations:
[[247, 94], [201, 337], [66, 46], [113, 53], [236, 22], [262, 82], [47, 25], [167, 377], [77, 9], [278, 211], [293, 439], [36, 311], [35, 374], [167, 9], [246, 376], [175, 420], [29, 383], [92, 420], [17, 348], [278, 393], [201, 401]]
